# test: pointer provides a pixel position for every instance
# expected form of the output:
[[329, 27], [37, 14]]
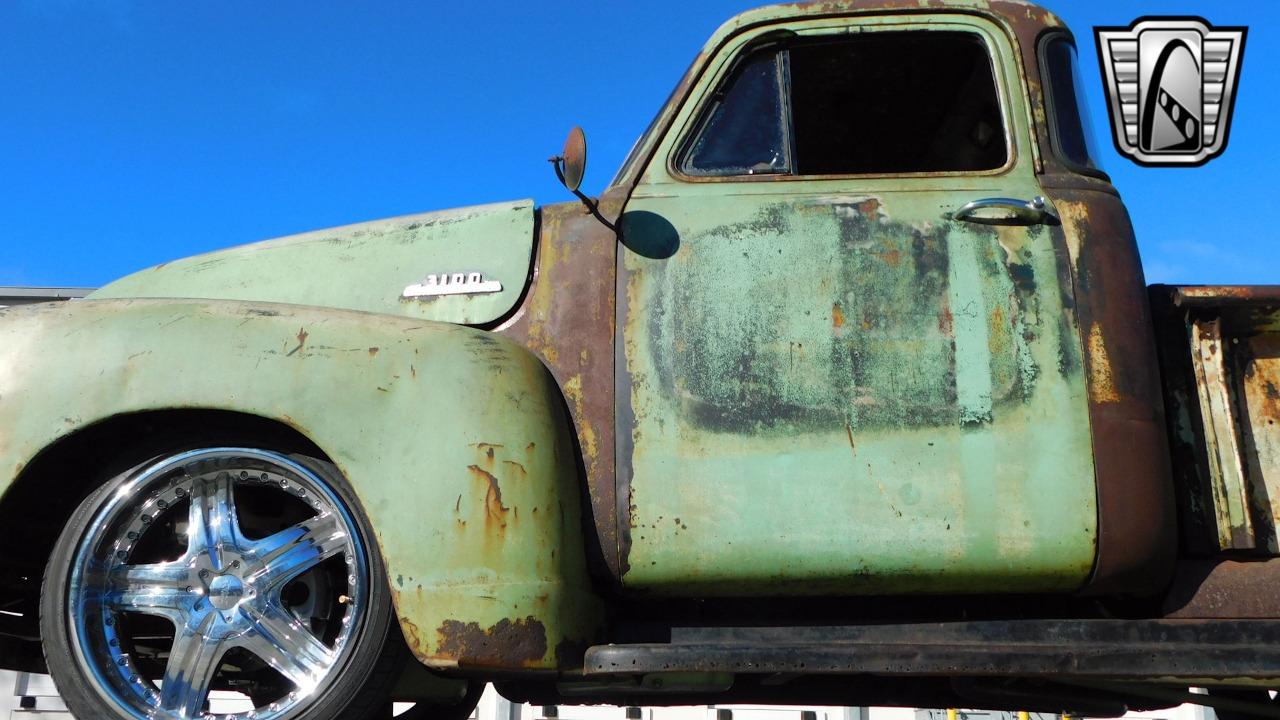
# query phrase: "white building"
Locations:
[[32, 295]]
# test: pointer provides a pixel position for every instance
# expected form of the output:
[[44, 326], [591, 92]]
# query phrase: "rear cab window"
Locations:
[[1069, 118]]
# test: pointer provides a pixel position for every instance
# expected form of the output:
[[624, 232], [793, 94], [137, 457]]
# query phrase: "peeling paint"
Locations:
[[494, 509]]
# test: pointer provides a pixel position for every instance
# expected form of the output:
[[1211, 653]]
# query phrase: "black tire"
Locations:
[[460, 710], [365, 665], [1256, 696]]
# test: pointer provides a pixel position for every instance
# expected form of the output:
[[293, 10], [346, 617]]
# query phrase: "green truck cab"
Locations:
[[848, 389]]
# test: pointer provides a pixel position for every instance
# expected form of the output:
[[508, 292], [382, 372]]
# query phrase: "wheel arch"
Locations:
[[31, 516], [454, 439]]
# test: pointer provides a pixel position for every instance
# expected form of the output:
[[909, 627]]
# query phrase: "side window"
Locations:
[[1068, 114], [878, 103], [743, 132]]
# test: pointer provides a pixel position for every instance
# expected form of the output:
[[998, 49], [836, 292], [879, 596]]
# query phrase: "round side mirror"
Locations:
[[575, 159]]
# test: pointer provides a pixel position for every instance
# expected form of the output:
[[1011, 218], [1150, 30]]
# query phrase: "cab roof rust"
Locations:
[[1020, 16]]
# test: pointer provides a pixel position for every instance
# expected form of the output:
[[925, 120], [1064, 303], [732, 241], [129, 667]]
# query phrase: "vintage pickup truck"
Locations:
[[847, 389]]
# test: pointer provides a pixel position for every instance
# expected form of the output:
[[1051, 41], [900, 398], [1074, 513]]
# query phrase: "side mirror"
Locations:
[[571, 165]]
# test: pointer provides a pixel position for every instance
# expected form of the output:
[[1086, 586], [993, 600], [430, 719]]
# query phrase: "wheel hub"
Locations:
[[226, 591]]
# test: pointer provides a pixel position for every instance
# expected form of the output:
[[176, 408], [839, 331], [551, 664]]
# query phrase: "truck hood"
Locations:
[[466, 266]]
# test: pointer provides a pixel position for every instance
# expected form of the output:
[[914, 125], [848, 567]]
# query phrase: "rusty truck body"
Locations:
[[848, 388]]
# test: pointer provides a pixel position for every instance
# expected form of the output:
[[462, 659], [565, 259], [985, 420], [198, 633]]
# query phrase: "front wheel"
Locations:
[[244, 571]]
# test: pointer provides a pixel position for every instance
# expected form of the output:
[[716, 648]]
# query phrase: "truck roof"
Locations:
[[1019, 15], [1025, 21]]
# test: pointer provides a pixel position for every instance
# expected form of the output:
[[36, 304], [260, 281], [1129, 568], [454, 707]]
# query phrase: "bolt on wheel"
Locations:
[[221, 569]]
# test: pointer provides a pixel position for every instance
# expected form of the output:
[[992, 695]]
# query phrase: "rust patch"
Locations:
[[837, 316], [1222, 588], [869, 207], [493, 508], [1102, 388], [567, 318], [1135, 550], [373, 351], [302, 340], [518, 643], [946, 322], [411, 633], [891, 257], [1216, 296]]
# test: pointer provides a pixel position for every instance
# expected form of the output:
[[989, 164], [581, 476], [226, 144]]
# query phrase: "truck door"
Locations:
[[827, 382]]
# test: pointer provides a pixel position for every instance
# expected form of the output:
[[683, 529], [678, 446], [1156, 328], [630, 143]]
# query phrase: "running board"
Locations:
[[1112, 649]]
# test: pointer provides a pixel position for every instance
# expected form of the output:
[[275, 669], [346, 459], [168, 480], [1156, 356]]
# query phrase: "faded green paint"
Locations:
[[454, 440], [364, 267], [826, 386], [833, 387]]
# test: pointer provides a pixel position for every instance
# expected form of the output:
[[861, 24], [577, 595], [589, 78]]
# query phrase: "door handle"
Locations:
[[1008, 211]]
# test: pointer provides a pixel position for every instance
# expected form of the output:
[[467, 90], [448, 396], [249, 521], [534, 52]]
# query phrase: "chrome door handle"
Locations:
[[1008, 211]]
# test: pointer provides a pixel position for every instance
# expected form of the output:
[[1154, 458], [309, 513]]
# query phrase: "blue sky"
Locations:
[[137, 132]]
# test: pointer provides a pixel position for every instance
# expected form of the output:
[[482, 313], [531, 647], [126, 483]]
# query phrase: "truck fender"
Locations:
[[454, 439]]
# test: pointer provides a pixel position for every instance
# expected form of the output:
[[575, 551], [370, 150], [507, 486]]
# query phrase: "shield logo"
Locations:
[[1171, 85]]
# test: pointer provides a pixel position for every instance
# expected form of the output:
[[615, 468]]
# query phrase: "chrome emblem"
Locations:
[[463, 283], [1171, 85]]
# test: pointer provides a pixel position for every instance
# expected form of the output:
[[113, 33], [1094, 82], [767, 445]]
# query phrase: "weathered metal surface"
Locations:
[[832, 386], [1197, 526], [1058, 649], [1137, 527], [1218, 409], [1220, 296], [366, 267], [454, 440], [1220, 357], [567, 319], [1256, 370], [1224, 588], [1136, 549]]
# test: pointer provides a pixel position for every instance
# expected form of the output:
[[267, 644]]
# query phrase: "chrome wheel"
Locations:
[[227, 569]]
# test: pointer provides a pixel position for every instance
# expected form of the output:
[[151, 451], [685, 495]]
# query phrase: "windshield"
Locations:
[[633, 156]]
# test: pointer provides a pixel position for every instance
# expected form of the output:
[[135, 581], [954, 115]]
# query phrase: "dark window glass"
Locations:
[[882, 102], [1068, 113], [744, 131], [896, 102]]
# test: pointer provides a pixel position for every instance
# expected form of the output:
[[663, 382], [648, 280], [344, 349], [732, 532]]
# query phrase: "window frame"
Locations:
[[1047, 95], [687, 133]]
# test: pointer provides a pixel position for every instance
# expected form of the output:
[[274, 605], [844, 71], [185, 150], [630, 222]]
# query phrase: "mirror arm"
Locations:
[[558, 163]]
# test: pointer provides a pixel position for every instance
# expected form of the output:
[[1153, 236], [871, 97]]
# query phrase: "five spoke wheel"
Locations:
[[228, 569]]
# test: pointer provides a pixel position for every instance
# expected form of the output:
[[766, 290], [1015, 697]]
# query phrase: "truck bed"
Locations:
[[1220, 363]]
